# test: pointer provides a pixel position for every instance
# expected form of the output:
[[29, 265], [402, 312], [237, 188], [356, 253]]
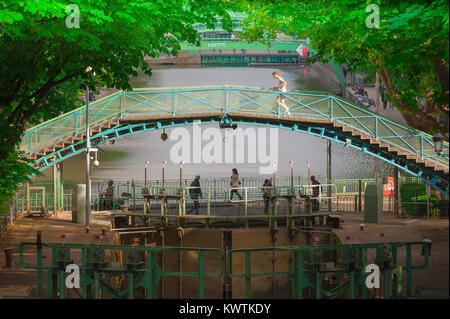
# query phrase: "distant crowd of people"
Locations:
[[362, 96], [195, 191]]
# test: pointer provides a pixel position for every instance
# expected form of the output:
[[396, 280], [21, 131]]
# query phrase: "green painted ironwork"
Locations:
[[318, 271], [312, 266], [289, 196], [195, 103], [139, 266], [343, 187], [227, 44]]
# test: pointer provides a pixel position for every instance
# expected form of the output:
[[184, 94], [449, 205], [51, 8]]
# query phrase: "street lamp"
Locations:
[[88, 157], [438, 140], [291, 162]]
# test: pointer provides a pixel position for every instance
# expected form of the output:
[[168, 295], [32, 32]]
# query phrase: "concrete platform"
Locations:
[[15, 281], [430, 282]]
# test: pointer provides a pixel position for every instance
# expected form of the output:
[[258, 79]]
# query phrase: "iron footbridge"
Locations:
[[319, 114]]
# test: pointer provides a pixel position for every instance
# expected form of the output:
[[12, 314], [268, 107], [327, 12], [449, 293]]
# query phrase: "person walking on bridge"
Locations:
[[196, 193], [281, 87], [108, 196], [235, 184]]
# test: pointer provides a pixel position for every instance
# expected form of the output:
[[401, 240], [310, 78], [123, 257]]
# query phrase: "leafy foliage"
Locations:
[[409, 50], [43, 62], [13, 171]]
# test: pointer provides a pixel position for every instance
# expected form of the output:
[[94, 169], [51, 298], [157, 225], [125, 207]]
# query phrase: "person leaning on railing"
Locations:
[[266, 192], [196, 193], [315, 193], [108, 195], [234, 183]]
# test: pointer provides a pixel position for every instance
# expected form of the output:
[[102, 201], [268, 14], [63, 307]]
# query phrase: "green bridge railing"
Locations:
[[257, 103]]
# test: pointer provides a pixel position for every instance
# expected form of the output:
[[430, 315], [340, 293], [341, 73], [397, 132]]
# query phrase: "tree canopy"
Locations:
[[409, 49], [45, 55]]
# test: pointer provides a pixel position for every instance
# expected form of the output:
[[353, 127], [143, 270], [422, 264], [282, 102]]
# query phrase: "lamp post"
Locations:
[[309, 172], [88, 158], [274, 166], [145, 173], [438, 140], [291, 162], [88, 163]]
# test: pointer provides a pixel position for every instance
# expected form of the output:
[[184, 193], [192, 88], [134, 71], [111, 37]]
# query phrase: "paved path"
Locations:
[[15, 281]]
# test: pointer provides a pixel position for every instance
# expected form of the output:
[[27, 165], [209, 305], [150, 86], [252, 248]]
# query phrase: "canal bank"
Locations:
[[429, 282], [15, 281]]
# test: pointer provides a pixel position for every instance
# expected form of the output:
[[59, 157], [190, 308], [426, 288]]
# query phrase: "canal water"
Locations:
[[125, 159]]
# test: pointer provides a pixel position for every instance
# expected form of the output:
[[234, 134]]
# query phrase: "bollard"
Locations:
[[9, 257], [428, 242], [39, 262]]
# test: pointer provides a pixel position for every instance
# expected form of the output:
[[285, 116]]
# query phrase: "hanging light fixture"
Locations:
[[438, 140], [164, 135], [347, 142]]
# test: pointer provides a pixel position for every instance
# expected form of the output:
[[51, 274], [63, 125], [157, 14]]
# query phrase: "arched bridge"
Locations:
[[320, 114]]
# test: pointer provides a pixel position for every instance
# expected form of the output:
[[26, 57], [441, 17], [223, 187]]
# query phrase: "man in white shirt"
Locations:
[[281, 87]]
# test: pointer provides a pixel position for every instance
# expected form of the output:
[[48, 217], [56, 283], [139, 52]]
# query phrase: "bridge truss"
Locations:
[[319, 114]]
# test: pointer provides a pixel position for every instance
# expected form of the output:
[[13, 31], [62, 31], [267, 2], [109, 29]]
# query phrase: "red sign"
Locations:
[[388, 189], [302, 50]]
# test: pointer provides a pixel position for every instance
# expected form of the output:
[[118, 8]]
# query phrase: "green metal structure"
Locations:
[[345, 275], [319, 114], [288, 197], [325, 271], [227, 44], [344, 187]]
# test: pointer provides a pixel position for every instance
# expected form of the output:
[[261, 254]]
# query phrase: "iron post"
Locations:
[[329, 175], [88, 163]]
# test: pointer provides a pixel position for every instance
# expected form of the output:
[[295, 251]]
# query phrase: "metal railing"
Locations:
[[136, 265], [346, 192], [311, 271], [243, 196], [316, 271]]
